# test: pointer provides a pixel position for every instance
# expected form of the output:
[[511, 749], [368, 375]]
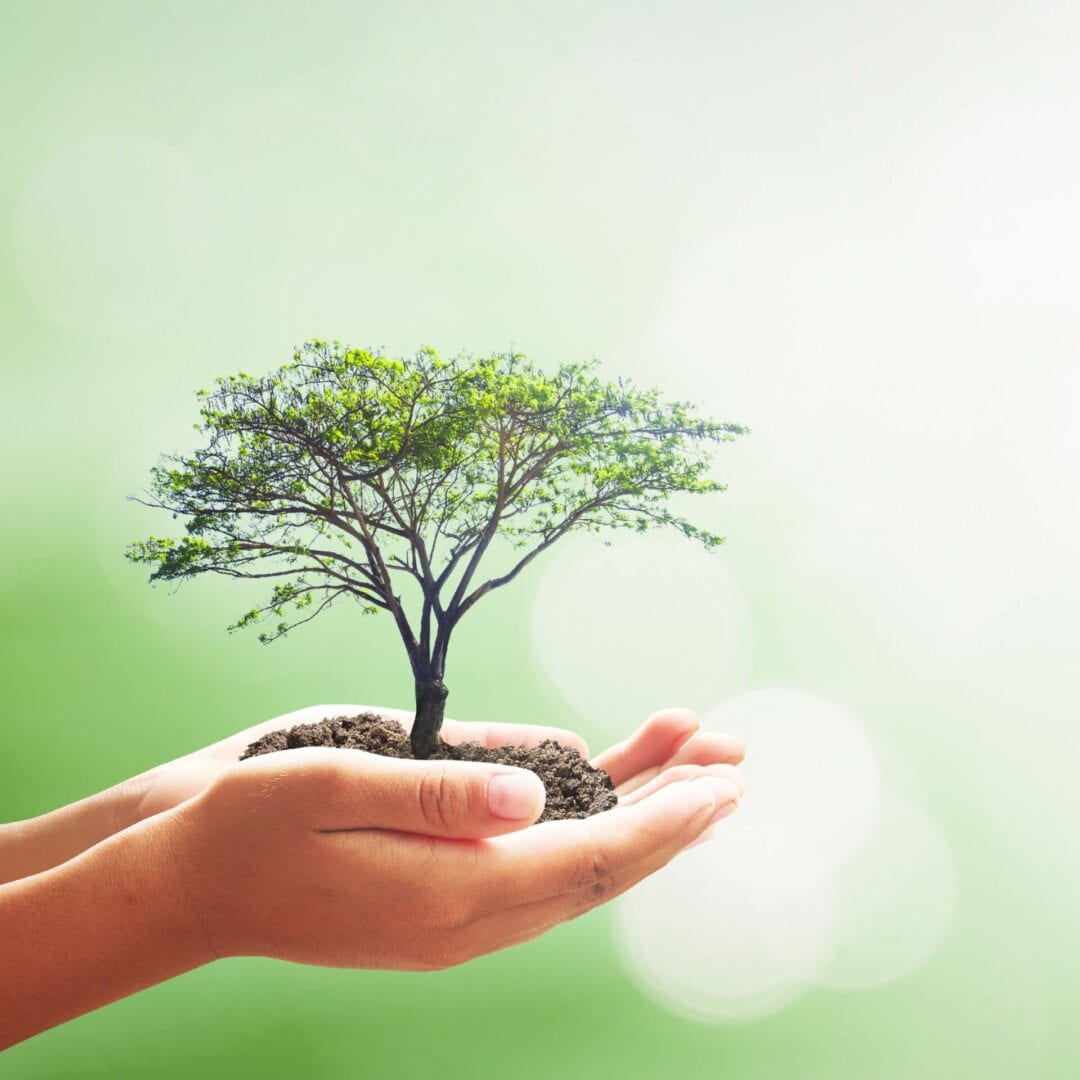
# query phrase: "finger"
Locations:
[[684, 772], [337, 790], [710, 832], [172, 782], [703, 748], [651, 745], [676, 818], [567, 856]]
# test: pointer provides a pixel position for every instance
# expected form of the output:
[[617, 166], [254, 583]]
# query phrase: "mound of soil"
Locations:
[[574, 788]]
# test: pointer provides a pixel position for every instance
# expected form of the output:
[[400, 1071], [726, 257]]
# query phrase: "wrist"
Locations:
[[188, 890], [105, 924], [160, 879]]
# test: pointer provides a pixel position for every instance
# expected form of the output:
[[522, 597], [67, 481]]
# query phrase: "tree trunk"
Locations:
[[430, 704]]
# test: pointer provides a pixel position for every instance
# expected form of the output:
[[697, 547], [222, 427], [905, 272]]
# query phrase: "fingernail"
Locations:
[[737, 778], [725, 796], [515, 796]]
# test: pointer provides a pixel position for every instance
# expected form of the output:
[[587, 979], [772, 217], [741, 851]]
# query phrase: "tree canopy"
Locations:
[[346, 471]]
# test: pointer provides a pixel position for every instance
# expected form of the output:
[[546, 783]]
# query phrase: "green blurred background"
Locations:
[[854, 227]]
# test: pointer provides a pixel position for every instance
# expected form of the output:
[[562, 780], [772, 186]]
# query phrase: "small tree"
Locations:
[[347, 474]]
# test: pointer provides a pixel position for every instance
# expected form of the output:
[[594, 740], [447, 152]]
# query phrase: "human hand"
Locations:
[[31, 846], [337, 858], [351, 859], [668, 746], [168, 785]]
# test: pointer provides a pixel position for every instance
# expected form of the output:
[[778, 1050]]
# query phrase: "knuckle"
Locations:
[[249, 792], [582, 904], [334, 785], [443, 799], [130, 793], [592, 880], [230, 785]]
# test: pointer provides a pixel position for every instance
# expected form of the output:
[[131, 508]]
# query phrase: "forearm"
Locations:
[[28, 847], [102, 925]]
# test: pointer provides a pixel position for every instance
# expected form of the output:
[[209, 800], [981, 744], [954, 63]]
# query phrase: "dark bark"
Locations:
[[431, 695]]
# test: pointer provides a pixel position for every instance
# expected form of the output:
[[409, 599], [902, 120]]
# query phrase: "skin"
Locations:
[[403, 865]]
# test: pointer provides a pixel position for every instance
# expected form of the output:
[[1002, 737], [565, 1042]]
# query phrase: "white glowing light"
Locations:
[[818, 880], [727, 931], [894, 902], [109, 231], [813, 776], [648, 622]]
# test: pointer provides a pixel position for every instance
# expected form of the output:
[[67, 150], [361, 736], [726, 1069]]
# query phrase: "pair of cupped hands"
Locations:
[[351, 859]]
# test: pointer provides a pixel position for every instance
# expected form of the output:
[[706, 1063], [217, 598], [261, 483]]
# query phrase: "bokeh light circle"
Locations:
[[813, 776], [821, 879], [894, 902], [647, 622], [726, 932]]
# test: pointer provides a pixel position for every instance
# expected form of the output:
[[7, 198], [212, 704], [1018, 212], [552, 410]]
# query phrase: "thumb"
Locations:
[[352, 789]]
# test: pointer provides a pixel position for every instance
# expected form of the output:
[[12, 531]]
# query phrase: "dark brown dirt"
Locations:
[[574, 788]]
